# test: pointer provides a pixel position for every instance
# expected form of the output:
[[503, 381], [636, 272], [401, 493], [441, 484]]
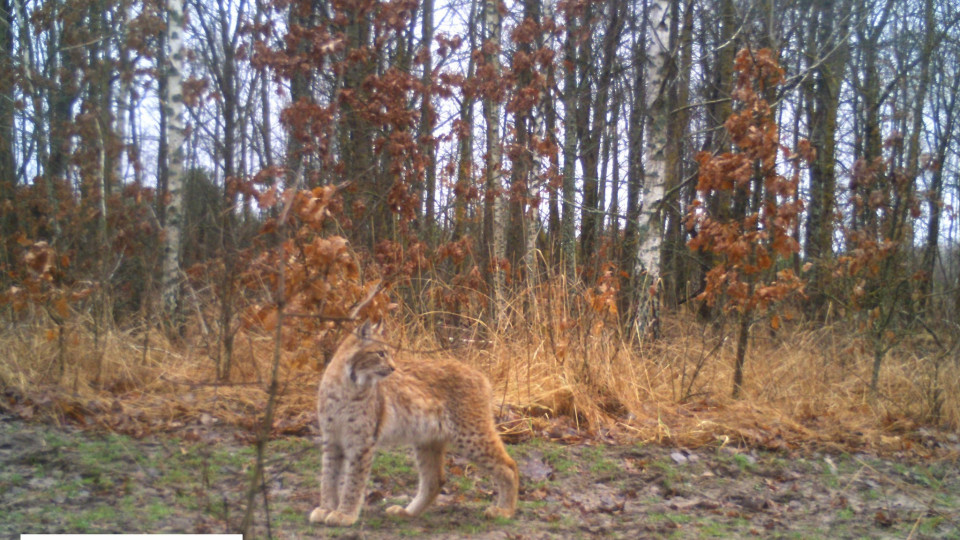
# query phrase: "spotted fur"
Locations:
[[369, 399]]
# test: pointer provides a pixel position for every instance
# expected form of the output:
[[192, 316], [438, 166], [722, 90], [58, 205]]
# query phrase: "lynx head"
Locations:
[[367, 357]]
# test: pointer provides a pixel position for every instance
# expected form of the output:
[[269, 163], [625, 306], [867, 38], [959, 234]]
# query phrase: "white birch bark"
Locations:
[[123, 95], [491, 109], [532, 123], [655, 141], [172, 101], [531, 223]]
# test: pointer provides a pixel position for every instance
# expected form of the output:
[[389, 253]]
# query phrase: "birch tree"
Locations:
[[655, 142], [491, 112], [172, 102]]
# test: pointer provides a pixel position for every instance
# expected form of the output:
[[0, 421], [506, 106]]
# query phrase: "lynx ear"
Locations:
[[370, 330], [364, 331]]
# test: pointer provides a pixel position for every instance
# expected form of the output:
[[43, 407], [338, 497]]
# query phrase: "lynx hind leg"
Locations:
[[489, 453], [430, 468], [505, 474]]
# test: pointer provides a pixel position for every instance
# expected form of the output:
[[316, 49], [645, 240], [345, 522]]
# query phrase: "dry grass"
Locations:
[[803, 387], [145, 382]]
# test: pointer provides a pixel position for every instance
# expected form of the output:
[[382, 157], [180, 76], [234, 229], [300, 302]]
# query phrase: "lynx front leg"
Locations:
[[329, 482], [353, 485], [430, 467]]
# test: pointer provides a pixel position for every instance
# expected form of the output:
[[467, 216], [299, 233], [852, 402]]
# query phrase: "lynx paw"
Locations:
[[496, 512], [399, 511], [318, 515], [339, 519]]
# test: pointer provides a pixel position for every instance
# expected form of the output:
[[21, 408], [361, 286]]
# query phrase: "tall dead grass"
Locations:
[[554, 371], [136, 380]]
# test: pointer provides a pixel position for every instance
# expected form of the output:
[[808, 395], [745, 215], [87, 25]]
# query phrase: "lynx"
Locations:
[[368, 399]]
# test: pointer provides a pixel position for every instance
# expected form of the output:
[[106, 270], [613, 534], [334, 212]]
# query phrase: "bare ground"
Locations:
[[58, 479]]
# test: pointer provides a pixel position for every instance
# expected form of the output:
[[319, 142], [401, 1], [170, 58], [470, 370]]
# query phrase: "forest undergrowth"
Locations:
[[806, 384]]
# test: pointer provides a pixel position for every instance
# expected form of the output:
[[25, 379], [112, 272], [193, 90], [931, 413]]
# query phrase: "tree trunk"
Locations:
[[8, 165], [822, 119], [879, 351], [613, 208], [163, 121], [716, 140], [372, 221], [123, 98], [427, 118], [40, 138], [904, 233], [525, 127], [301, 14], [587, 138], [593, 132], [568, 248], [62, 98], [494, 196], [549, 114], [172, 101], [673, 246], [935, 194], [465, 141], [872, 99], [626, 301], [649, 222], [109, 128], [743, 340]]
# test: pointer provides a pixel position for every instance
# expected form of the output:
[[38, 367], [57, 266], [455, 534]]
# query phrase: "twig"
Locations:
[[352, 316], [214, 383], [267, 422], [266, 501]]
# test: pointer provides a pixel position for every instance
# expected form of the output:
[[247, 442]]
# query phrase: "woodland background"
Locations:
[[677, 220]]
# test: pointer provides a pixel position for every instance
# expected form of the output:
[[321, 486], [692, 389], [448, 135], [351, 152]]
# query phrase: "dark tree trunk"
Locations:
[[8, 165], [626, 302], [829, 65]]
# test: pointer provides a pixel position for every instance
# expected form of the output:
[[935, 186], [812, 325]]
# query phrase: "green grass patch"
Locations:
[[598, 462], [559, 458], [461, 483], [391, 464], [744, 463], [157, 511], [93, 519], [671, 478]]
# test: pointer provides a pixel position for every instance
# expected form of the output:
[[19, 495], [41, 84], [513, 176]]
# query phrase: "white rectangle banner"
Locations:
[[131, 537]]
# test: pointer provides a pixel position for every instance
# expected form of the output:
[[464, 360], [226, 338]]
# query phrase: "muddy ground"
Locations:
[[59, 479]]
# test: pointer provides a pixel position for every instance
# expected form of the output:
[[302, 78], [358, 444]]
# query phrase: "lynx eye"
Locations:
[[382, 354]]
